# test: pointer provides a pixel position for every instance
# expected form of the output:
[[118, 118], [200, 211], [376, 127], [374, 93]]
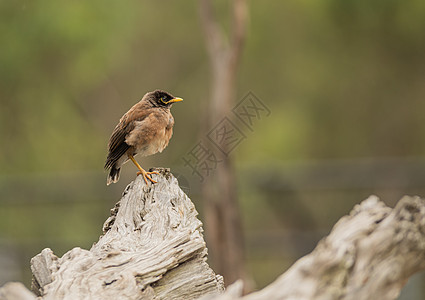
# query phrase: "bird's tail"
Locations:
[[114, 175]]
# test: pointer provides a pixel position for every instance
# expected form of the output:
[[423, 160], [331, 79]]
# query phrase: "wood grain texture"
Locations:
[[152, 248], [369, 254]]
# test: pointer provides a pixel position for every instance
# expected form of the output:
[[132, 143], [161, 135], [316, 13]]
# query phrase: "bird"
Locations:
[[145, 129]]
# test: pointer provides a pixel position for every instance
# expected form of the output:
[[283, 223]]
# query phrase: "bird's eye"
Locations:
[[164, 98]]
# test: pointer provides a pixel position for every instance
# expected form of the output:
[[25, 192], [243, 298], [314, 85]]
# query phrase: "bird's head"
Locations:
[[160, 98]]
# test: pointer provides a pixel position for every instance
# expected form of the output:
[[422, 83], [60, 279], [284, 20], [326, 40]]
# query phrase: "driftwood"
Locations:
[[15, 291], [152, 248], [370, 254]]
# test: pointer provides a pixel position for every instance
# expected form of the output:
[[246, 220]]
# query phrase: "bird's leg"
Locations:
[[142, 171]]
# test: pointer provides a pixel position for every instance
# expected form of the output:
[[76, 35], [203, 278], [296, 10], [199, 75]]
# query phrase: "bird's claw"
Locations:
[[146, 176]]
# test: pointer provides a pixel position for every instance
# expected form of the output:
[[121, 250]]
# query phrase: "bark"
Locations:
[[369, 254]]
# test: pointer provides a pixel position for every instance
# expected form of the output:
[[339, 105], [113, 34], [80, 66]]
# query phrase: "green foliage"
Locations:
[[53, 53], [333, 73]]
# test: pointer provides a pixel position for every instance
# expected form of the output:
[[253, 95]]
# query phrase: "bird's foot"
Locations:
[[146, 176]]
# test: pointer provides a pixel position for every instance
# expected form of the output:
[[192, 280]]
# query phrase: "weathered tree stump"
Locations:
[[152, 248]]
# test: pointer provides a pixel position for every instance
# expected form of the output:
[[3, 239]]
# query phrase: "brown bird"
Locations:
[[145, 129]]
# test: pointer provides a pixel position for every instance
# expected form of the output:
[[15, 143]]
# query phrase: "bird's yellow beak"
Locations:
[[175, 100]]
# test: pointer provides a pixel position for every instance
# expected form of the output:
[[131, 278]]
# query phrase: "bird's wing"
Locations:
[[117, 145]]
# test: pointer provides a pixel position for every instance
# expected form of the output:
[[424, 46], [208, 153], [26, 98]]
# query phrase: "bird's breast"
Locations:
[[152, 134], [157, 144], [165, 135]]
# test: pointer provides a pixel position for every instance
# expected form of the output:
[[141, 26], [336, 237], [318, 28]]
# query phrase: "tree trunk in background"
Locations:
[[222, 217]]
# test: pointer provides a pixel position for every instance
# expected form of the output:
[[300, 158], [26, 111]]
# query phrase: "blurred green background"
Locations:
[[344, 80]]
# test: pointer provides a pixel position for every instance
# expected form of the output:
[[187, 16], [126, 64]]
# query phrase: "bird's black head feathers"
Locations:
[[160, 98]]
